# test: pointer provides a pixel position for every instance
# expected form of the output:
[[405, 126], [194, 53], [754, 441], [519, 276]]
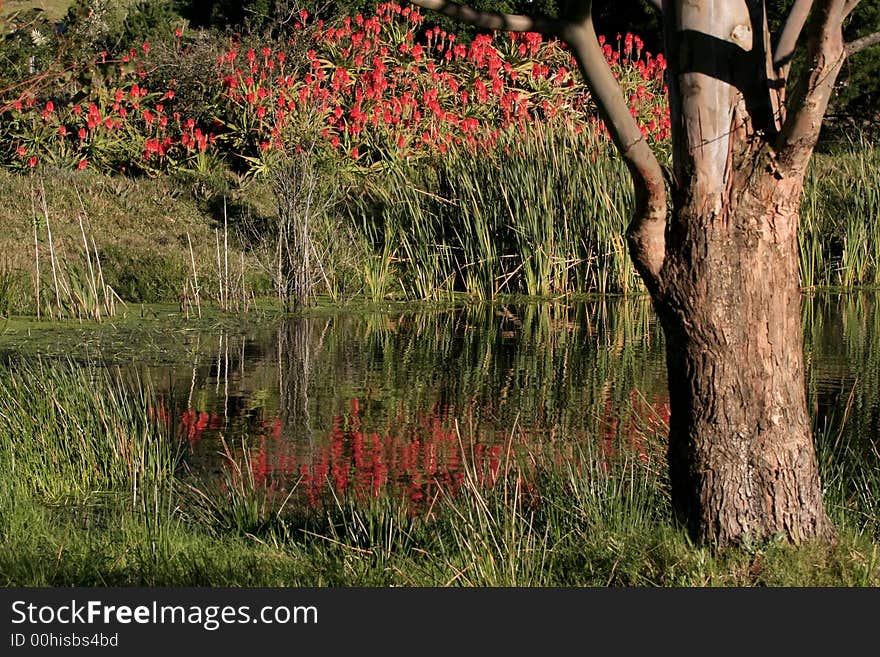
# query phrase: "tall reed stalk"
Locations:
[[840, 219], [542, 214], [78, 282]]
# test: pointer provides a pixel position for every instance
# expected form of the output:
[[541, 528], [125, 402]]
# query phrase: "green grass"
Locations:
[[542, 215], [538, 217], [138, 230], [92, 493]]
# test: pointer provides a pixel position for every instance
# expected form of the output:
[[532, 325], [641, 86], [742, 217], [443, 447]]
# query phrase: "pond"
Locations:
[[407, 403]]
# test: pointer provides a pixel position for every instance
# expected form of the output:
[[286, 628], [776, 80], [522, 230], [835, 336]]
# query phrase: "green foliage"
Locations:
[[496, 223], [15, 295], [28, 46], [840, 226], [858, 90], [148, 20], [91, 27], [253, 14]]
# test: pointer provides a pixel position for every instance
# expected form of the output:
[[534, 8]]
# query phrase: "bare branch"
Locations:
[[826, 53], [491, 20], [646, 232], [789, 35], [860, 44]]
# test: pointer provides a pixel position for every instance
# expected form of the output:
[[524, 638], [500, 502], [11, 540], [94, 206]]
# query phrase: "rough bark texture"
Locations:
[[741, 455]]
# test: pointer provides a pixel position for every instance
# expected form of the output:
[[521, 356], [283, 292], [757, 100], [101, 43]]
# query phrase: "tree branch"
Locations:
[[860, 44], [789, 35], [491, 20], [826, 53], [646, 232]]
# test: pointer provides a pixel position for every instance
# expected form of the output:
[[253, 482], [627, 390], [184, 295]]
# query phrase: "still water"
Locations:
[[405, 403]]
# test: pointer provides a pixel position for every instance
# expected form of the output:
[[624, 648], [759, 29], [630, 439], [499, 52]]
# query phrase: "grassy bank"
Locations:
[[467, 226], [150, 240], [96, 492]]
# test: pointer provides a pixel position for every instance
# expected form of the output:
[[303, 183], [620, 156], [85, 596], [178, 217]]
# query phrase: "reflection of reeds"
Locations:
[[843, 359]]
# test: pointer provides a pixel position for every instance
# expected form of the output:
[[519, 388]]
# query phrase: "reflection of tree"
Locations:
[[300, 340]]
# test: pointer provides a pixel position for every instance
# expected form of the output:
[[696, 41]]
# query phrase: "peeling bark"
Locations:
[[741, 455]]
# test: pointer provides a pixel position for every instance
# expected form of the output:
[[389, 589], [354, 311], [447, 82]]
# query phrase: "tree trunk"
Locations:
[[741, 455], [723, 270]]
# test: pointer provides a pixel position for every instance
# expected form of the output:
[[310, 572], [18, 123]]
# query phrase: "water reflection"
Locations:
[[402, 404], [842, 347]]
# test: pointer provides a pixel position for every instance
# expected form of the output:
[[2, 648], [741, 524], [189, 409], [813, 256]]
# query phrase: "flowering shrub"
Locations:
[[115, 124], [371, 90], [376, 93]]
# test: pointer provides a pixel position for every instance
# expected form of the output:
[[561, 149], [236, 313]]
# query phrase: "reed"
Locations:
[[840, 219], [191, 293], [80, 291], [542, 214], [73, 435]]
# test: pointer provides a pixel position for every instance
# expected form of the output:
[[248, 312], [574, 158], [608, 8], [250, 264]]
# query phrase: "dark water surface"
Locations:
[[404, 403]]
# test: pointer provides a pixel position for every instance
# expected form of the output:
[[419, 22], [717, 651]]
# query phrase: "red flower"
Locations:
[[82, 164]]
